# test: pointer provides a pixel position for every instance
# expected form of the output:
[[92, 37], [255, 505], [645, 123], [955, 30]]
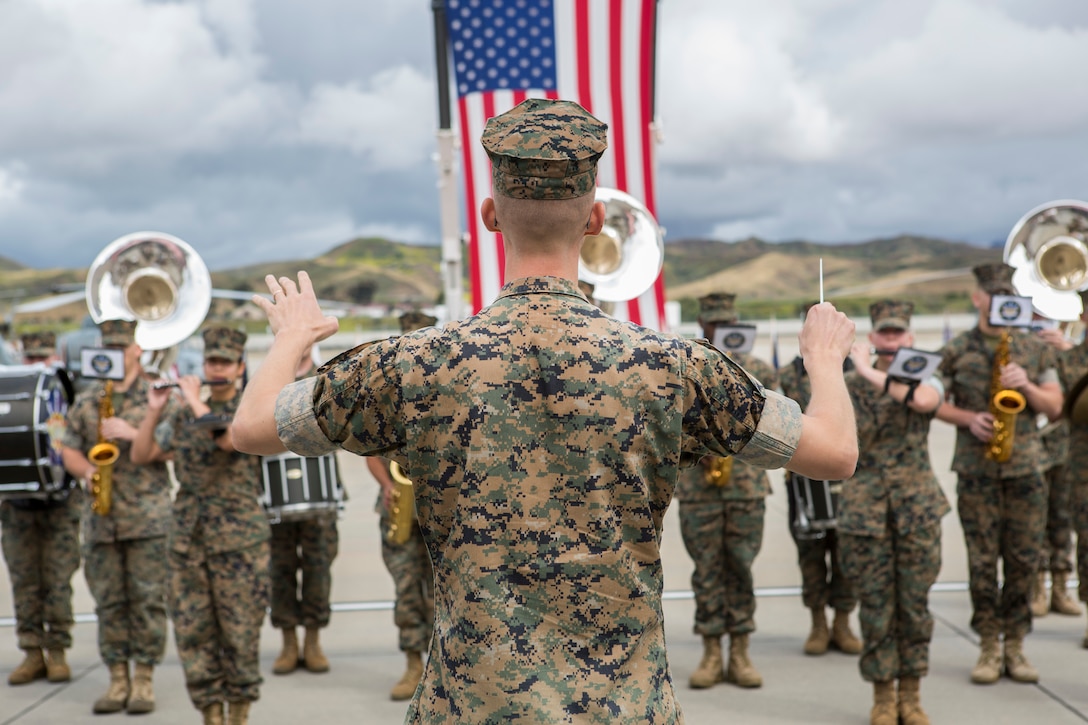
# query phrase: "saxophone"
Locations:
[[1005, 404], [402, 509], [103, 455], [717, 471]]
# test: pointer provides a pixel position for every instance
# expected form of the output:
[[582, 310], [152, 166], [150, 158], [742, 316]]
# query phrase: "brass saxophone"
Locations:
[[402, 509], [718, 471], [1005, 404], [103, 454]]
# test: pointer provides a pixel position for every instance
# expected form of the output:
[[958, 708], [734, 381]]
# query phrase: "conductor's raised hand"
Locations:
[[826, 332], [294, 310]]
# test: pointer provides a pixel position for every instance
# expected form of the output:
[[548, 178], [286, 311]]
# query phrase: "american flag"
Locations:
[[599, 53]]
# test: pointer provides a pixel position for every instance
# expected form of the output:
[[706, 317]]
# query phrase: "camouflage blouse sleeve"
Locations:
[[733, 414]]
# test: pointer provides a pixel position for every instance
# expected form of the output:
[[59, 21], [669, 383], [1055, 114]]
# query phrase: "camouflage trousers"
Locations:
[[305, 548], [128, 580], [1056, 554], [217, 602], [413, 580], [41, 549], [823, 584], [1078, 482], [723, 539], [892, 577], [1002, 519]]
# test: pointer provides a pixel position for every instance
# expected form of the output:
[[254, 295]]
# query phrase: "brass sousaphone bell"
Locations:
[[624, 260], [155, 279]]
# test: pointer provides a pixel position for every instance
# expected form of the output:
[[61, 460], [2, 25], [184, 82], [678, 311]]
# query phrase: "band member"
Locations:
[[1056, 555], [1073, 367], [124, 550], [823, 583], [408, 563], [219, 542], [1001, 505], [543, 438], [40, 539], [721, 521], [302, 554], [889, 518]]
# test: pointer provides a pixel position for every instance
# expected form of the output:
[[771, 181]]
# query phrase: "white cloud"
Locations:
[[11, 187]]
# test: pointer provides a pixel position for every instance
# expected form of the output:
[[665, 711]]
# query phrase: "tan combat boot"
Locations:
[[31, 668], [819, 637], [841, 636], [312, 656], [711, 669], [1016, 664], [142, 699], [910, 702], [238, 713], [741, 671], [117, 693], [213, 714], [406, 687], [1040, 604], [883, 712], [56, 666], [1060, 601], [988, 668], [287, 662]]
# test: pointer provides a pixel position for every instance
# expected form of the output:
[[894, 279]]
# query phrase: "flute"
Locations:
[[880, 351], [175, 384]]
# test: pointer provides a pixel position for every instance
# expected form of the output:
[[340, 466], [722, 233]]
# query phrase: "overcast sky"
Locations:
[[276, 129]]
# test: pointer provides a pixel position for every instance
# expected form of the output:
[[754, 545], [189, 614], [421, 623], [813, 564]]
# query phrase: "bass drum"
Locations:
[[33, 402]]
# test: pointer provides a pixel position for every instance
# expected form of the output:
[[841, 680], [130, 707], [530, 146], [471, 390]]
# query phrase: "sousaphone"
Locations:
[[624, 260], [155, 279]]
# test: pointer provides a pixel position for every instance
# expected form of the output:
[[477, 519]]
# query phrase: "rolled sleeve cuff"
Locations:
[[777, 435], [296, 423]]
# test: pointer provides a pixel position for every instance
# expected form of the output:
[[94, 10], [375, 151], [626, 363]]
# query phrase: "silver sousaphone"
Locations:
[[155, 279], [624, 260]]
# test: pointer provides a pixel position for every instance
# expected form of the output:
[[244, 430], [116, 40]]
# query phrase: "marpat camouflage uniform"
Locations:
[[823, 582], [40, 539], [1002, 506], [1057, 552], [218, 561], [124, 551], [722, 528], [1072, 366], [301, 569], [545, 548], [889, 524], [413, 581]]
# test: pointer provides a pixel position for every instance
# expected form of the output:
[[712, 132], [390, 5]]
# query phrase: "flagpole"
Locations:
[[452, 279]]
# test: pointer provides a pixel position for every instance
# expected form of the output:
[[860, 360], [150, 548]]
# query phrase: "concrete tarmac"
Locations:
[[361, 643]]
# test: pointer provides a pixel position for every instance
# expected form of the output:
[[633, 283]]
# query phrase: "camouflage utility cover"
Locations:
[[995, 278], [39, 344], [117, 333], [224, 343], [543, 149], [544, 439], [718, 307], [891, 314]]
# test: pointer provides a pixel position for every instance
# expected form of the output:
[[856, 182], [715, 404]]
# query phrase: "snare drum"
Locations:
[[813, 505], [33, 402], [300, 488]]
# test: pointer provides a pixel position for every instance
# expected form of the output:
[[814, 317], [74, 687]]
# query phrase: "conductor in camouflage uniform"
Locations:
[[721, 522], [219, 541], [408, 563], [1002, 506], [303, 550], [124, 550], [40, 540], [823, 582], [543, 438], [1073, 367], [889, 518]]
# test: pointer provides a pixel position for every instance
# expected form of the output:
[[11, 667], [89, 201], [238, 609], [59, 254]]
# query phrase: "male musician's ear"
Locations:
[[596, 219], [488, 215]]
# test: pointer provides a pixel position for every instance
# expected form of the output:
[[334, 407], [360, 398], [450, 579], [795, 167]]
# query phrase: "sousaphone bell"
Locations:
[[1049, 249], [624, 260]]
